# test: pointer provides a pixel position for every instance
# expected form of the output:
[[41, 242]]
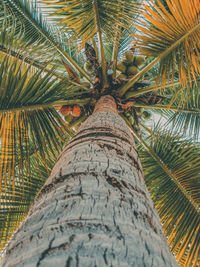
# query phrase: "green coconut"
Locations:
[[69, 118], [146, 115], [139, 110], [122, 76], [139, 61], [121, 66], [131, 120], [118, 73], [132, 70], [88, 67], [128, 57]]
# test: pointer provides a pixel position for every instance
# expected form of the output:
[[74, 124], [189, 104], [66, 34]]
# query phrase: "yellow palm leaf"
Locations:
[[172, 35]]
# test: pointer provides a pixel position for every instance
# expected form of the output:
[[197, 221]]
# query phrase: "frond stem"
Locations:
[[145, 128], [116, 41], [94, 45], [115, 51], [78, 121], [149, 89], [192, 111], [80, 102], [40, 66], [98, 27]]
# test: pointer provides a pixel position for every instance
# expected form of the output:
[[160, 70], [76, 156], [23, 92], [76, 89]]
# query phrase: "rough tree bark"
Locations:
[[94, 209]]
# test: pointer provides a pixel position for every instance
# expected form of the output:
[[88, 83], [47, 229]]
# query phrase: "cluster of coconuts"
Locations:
[[74, 110], [143, 113], [70, 113], [129, 66]]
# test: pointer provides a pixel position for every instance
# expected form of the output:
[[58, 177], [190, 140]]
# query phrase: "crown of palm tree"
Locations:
[[57, 58]]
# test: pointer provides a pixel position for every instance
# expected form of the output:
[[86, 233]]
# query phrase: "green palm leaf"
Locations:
[[181, 108], [32, 135], [80, 17], [14, 209], [36, 31], [166, 34], [18, 33], [171, 167], [185, 121], [83, 19], [28, 121], [172, 37]]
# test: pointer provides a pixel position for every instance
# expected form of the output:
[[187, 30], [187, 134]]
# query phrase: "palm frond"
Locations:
[[124, 42], [167, 108], [181, 107], [87, 17], [35, 30], [23, 130], [171, 35], [32, 135], [171, 168], [80, 17], [17, 33], [14, 208], [187, 123]]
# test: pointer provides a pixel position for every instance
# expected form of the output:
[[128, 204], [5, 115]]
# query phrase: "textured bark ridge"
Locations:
[[94, 209], [106, 103]]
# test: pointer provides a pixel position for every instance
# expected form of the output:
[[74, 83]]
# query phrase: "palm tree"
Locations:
[[87, 78]]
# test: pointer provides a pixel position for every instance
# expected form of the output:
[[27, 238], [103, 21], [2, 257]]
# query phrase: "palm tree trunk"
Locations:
[[94, 209]]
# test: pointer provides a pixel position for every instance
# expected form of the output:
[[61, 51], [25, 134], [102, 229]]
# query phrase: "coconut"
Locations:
[[139, 61], [132, 70], [68, 118], [131, 120], [139, 110], [122, 76], [128, 57], [65, 110], [146, 115], [76, 111], [121, 66], [88, 67], [118, 73]]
